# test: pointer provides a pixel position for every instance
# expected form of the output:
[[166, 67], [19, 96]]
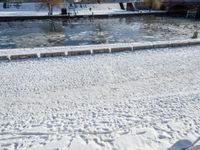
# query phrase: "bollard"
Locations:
[[195, 35]]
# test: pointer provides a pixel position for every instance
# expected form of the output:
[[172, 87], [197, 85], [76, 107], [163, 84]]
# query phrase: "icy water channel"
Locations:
[[40, 33]]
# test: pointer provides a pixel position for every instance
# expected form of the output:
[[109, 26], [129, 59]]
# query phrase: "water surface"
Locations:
[[41, 33]]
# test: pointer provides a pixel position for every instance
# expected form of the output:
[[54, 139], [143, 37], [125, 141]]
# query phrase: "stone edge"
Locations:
[[108, 48]]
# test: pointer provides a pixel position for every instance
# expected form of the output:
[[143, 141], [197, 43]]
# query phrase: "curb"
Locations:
[[100, 51], [25, 56], [79, 52], [120, 49], [54, 54], [47, 52], [4, 58]]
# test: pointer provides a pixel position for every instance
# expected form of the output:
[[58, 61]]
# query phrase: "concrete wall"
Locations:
[[4, 58], [24, 56], [16, 54], [100, 51], [53, 54], [79, 52], [120, 49]]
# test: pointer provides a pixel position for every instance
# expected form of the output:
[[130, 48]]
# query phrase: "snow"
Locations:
[[27, 9], [35, 9], [136, 100]]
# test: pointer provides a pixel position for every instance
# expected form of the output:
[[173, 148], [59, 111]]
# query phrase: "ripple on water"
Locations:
[[83, 31]]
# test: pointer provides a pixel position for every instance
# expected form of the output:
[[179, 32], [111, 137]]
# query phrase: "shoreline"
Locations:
[[111, 15], [65, 51]]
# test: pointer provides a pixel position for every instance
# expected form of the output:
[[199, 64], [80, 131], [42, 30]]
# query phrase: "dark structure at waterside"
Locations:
[[188, 8]]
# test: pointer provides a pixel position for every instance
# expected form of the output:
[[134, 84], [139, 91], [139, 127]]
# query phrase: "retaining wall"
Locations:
[[19, 54], [100, 51], [53, 54], [4, 58], [25, 56], [120, 49], [79, 52], [22, 18]]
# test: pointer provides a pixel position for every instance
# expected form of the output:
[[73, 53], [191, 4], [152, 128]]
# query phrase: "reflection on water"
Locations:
[[40, 33]]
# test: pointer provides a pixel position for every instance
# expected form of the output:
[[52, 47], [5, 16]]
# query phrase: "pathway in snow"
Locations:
[[139, 100]]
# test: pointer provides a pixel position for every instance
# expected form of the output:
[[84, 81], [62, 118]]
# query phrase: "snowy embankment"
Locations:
[[143, 100], [38, 9]]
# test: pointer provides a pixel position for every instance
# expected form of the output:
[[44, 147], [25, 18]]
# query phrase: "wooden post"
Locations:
[[121, 6]]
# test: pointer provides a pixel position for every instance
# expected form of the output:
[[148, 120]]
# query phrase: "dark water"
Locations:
[[40, 33]]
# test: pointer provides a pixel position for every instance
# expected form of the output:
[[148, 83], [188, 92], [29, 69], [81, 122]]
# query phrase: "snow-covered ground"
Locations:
[[27, 9], [143, 100], [36, 9]]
